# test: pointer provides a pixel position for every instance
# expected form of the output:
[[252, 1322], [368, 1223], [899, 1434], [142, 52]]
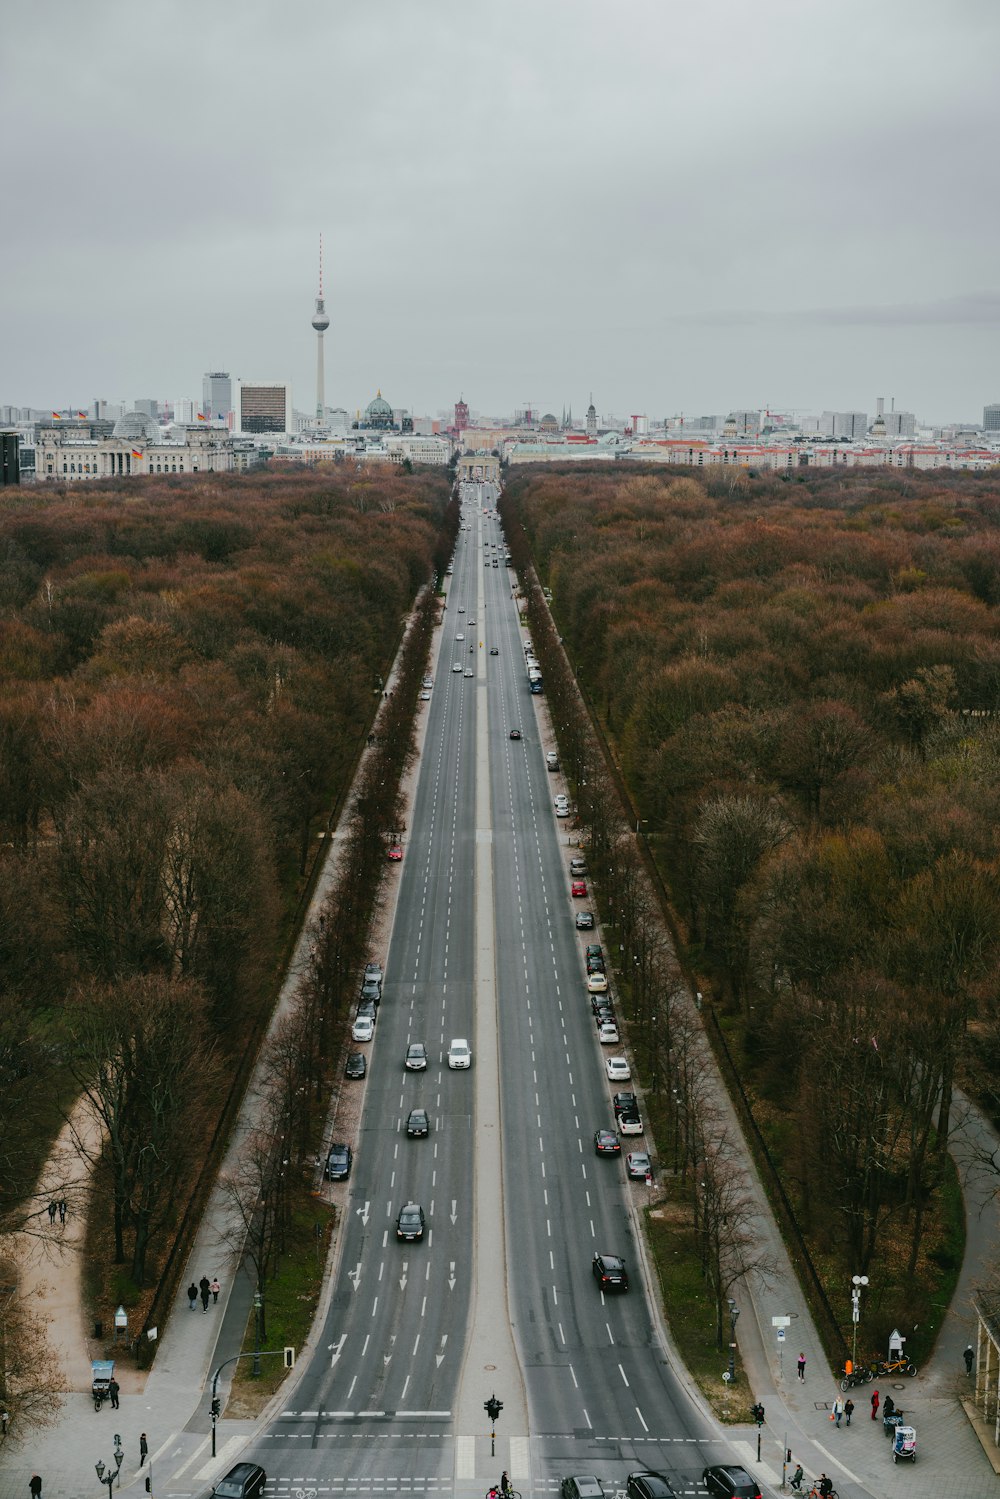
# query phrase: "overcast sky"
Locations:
[[681, 206]]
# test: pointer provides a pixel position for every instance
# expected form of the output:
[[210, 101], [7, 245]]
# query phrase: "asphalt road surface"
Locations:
[[499, 1296]]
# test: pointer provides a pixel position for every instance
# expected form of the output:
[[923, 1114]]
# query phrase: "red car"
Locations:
[[578, 887], [395, 853]]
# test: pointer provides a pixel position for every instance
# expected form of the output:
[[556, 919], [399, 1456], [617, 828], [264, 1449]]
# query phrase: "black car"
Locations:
[[595, 963], [417, 1124], [730, 1481], [368, 1007], [410, 1222], [338, 1163], [606, 1142], [372, 989], [609, 1272], [625, 1103], [648, 1485], [356, 1065], [245, 1481], [584, 921], [581, 1486], [602, 1007], [493, 649], [594, 950], [515, 733]]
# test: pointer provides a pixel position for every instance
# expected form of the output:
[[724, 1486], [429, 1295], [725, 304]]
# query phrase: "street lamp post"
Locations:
[[734, 1312], [258, 1302], [112, 1473], [857, 1281]]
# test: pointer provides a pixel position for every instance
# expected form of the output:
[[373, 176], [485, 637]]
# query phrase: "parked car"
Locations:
[[356, 1065], [395, 853], [618, 1070], [372, 989], [584, 921], [608, 1033], [597, 982], [363, 1028], [338, 1163], [578, 888], [638, 1166], [373, 971], [578, 867]]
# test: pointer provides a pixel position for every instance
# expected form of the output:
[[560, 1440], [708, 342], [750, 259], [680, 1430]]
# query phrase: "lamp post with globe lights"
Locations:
[[857, 1281]]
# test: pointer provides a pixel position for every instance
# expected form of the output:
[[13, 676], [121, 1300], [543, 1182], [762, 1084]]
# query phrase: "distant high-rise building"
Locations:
[[216, 396], [461, 415], [148, 408], [10, 468], [184, 411], [900, 424], [320, 322], [850, 424], [265, 408], [991, 418]]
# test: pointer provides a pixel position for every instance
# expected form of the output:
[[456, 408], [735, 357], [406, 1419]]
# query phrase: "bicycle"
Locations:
[[895, 1366], [814, 1493]]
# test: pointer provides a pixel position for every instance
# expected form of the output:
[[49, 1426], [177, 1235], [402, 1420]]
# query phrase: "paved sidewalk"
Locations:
[[950, 1461]]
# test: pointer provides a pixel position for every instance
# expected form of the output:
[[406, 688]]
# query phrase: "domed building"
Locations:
[[378, 414], [136, 426], [548, 422]]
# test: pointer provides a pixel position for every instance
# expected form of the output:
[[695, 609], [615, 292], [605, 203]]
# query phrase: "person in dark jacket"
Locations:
[[192, 1296], [205, 1287]]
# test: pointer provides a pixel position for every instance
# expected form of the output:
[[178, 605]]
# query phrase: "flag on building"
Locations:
[[136, 453], [202, 418], [57, 415], [82, 415]]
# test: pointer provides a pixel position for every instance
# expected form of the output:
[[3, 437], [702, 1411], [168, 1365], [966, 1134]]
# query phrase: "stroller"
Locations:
[[904, 1443], [102, 1373]]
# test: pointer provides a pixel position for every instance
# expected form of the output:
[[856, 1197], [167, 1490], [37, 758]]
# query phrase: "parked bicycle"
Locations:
[[895, 1366]]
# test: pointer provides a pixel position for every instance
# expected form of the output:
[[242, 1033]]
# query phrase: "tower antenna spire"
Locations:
[[320, 323]]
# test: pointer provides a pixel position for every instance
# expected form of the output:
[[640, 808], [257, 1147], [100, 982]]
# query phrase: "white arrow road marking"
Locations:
[[336, 1347], [451, 1275], [402, 1278], [454, 1214], [439, 1356], [363, 1213], [355, 1275]]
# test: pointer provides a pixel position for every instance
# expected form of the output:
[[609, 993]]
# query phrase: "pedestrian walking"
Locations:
[[113, 1390], [216, 1288], [143, 1449], [35, 1486], [838, 1409], [875, 1406], [969, 1357], [802, 1368], [192, 1296], [62, 1210], [206, 1291], [848, 1410], [52, 1211]]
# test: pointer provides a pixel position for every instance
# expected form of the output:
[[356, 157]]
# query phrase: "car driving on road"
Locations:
[[410, 1222], [459, 1054], [417, 1124], [416, 1057], [609, 1272], [606, 1142]]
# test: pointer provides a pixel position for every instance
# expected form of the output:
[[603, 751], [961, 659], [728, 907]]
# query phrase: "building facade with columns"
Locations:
[[137, 446]]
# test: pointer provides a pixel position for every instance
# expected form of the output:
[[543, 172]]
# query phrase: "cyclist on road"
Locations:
[[796, 1479]]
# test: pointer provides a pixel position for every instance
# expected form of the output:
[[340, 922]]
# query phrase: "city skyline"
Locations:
[[686, 211]]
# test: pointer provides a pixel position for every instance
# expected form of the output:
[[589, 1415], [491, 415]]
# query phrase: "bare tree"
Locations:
[[30, 1375]]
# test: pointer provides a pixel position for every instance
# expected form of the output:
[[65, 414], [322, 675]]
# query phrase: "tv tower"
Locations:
[[320, 322]]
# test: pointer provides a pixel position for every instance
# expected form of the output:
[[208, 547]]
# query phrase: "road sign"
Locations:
[[781, 1321], [781, 1334]]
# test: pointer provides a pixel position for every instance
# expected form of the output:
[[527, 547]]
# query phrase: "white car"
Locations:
[[562, 810], [425, 697], [608, 1034], [597, 983], [618, 1070], [457, 666], [363, 1028], [630, 1124], [470, 674], [471, 621], [459, 636], [459, 1054], [427, 682], [561, 800]]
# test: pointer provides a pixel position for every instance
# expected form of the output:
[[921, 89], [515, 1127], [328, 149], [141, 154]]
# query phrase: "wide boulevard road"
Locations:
[[500, 1292]]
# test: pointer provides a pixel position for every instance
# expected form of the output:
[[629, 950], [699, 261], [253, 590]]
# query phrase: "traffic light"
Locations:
[[216, 1405], [493, 1407], [149, 1485], [757, 1411]]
